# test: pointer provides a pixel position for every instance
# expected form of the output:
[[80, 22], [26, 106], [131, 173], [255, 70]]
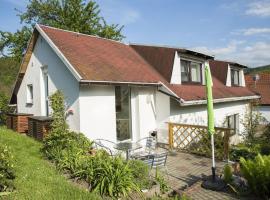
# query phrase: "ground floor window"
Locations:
[[123, 116], [233, 123]]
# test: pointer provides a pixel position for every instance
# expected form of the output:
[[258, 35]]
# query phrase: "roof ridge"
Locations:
[[158, 45], [84, 34]]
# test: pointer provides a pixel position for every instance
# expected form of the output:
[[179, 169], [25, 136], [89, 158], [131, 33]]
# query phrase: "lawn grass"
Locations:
[[36, 178]]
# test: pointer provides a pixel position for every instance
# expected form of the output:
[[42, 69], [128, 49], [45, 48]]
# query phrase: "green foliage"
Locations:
[[57, 103], [7, 174], [140, 173], [162, 183], [60, 138], [228, 173], [257, 173], [255, 70], [250, 123], [241, 150], [4, 108], [109, 176], [15, 43], [114, 178], [74, 15], [203, 147], [36, 178], [8, 72]]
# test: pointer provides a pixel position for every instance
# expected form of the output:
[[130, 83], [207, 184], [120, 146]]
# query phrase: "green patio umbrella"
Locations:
[[210, 114]]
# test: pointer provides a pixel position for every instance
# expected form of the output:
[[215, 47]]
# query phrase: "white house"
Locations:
[[119, 92]]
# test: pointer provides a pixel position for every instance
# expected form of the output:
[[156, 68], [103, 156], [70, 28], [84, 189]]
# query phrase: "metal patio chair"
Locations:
[[159, 161], [106, 145], [148, 147]]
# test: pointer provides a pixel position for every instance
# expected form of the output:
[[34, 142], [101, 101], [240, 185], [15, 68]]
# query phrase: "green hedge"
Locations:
[[7, 174]]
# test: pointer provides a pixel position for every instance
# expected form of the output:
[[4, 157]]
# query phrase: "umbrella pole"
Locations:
[[213, 158]]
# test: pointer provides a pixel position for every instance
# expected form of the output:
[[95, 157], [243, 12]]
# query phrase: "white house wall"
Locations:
[[97, 113], [197, 115], [59, 77], [176, 71], [162, 115], [147, 111]]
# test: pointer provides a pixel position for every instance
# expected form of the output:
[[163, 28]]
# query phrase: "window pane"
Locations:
[[29, 94], [184, 70], [195, 72], [122, 103], [235, 77]]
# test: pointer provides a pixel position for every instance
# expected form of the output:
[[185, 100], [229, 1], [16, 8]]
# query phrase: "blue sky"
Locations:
[[237, 30]]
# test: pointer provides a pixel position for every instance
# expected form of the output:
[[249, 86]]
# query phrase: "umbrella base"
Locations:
[[217, 185]]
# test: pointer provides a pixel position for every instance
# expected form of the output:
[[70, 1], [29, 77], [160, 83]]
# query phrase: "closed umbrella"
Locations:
[[210, 114]]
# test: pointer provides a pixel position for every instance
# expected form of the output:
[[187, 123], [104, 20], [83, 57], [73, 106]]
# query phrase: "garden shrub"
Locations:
[[140, 172], [110, 176], [4, 108], [7, 174], [59, 137], [228, 173], [241, 150], [257, 174], [113, 177], [203, 146], [162, 183]]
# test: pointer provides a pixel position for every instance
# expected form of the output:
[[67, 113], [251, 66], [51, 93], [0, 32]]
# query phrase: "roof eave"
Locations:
[[223, 100]]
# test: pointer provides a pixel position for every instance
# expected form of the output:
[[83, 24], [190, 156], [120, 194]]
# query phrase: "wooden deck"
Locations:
[[185, 169]]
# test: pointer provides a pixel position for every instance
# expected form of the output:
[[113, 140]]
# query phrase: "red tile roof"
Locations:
[[220, 91], [262, 86], [99, 59]]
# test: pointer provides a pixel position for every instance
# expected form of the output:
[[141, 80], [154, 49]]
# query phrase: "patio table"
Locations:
[[127, 147]]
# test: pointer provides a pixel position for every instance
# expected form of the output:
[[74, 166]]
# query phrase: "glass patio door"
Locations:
[[123, 116]]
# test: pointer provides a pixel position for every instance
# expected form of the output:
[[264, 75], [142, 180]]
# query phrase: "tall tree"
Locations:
[[74, 15]]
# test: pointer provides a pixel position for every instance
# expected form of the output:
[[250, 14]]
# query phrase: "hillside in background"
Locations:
[[8, 74], [265, 68]]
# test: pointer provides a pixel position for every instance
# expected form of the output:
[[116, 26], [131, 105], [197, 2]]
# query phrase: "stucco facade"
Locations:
[[59, 78]]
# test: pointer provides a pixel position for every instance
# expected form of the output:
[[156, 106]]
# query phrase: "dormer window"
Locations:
[[235, 77], [191, 72]]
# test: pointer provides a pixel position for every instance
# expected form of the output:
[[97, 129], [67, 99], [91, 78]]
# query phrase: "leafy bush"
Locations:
[[162, 183], [113, 177], [109, 176], [7, 174], [241, 150], [140, 172], [59, 137], [4, 108], [203, 147], [257, 173], [228, 173]]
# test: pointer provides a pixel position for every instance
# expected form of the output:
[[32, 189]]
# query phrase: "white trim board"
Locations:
[[59, 53]]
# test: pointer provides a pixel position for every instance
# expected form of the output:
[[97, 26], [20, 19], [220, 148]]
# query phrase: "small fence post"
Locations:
[[170, 135], [226, 144]]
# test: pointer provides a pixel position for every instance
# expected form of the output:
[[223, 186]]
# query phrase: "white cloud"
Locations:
[[230, 48], [259, 8], [251, 31], [255, 31], [255, 54]]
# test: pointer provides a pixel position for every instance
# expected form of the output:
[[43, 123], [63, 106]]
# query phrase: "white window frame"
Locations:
[[189, 77], [29, 94]]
